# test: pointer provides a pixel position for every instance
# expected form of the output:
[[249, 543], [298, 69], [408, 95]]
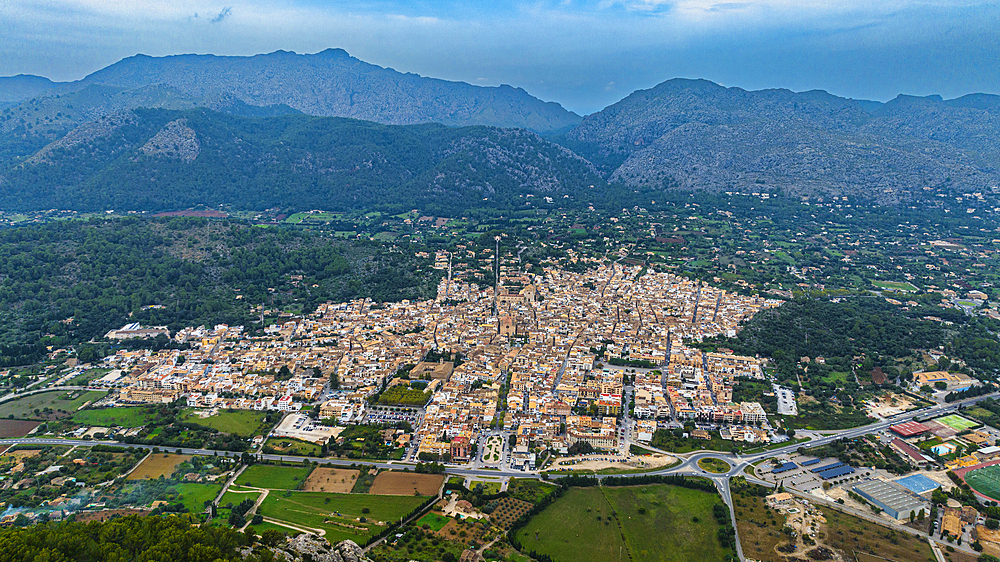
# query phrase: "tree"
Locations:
[[992, 524], [271, 537], [941, 385]]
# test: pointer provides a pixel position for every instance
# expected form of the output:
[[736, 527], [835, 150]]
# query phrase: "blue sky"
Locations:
[[582, 54]]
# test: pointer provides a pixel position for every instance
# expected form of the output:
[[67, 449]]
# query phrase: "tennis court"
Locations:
[[957, 422], [985, 480]]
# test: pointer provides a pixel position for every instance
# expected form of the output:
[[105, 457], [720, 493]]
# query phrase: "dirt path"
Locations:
[[253, 510], [319, 532]]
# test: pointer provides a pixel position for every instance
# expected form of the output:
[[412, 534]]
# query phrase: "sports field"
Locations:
[[956, 422], [985, 480]]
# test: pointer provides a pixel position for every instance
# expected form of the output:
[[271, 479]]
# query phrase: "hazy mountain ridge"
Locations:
[[329, 83], [164, 159], [697, 134], [23, 86]]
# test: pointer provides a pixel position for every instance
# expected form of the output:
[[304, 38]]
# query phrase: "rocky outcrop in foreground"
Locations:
[[307, 547]]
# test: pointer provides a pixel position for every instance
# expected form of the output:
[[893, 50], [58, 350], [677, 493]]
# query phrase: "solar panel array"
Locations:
[[810, 462], [827, 467], [835, 472], [784, 468]]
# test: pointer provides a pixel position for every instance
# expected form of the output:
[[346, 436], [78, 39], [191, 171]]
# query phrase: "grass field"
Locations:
[[895, 286], [433, 520], [596, 524], [157, 465], [295, 447], [59, 404], [956, 422], [338, 514], [716, 466], [985, 480], [194, 496], [85, 377], [114, 417], [274, 477], [852, 535], [529, 489], [245, 423]]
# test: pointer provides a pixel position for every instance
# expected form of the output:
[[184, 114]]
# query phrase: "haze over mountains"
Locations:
[[84, 145], [328, 83]]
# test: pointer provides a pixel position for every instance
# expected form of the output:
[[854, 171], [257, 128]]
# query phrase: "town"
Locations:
[[548, 358]]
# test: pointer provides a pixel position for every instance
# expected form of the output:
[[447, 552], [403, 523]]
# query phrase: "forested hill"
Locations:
[[147, 159], [329, 83], [70, 281], [695, 134]]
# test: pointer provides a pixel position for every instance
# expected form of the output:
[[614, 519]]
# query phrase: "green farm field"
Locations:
[[245, 423], [194, 496], [115, 417], [338, 514], [274, 477], [581, 526], [59, 404]]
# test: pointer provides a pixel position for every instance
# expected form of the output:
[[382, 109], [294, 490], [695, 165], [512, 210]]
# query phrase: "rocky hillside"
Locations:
[[694, 134], [155, 159], [329, 83]]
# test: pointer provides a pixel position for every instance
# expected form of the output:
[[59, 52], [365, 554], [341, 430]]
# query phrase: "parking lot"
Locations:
[[379, 415]]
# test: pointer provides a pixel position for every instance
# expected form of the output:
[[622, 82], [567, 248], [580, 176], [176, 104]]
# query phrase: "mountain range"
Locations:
[[155, 159], [256, 117], [328, 83]]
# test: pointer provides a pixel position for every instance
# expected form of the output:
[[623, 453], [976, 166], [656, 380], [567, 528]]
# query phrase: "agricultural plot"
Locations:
[[54, 405], [337, 480], [597, 524], [244, 423], [507, 510], [274, 477], [156, 465], [115, 417], [392, 483], [16, 428], [342, 516]]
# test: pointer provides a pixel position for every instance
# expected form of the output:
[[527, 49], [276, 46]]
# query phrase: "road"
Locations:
[[689, 466]]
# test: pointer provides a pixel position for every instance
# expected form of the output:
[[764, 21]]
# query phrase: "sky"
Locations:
[[585, 55]]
